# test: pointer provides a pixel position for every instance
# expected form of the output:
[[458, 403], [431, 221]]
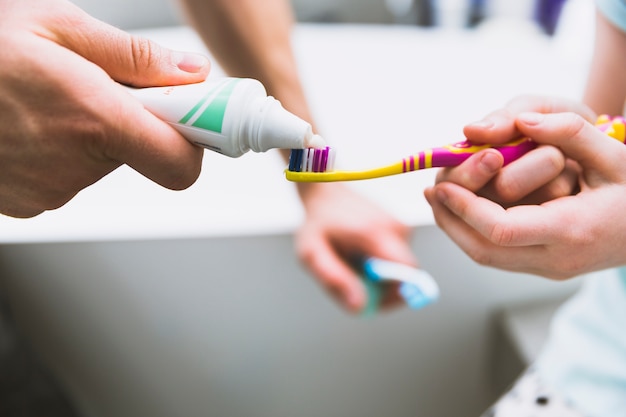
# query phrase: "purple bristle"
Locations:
[[316, 160], [324, 163]]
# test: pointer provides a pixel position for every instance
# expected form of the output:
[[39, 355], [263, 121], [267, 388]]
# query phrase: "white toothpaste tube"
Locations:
[[228, 115]]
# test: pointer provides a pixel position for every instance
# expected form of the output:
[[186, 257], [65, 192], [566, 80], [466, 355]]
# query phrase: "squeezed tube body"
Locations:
[[228, 115]]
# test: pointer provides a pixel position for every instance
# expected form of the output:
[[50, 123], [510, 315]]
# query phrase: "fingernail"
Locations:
[[441, 195], [483, 124], [189, 62], [530, 118], [490, 162]]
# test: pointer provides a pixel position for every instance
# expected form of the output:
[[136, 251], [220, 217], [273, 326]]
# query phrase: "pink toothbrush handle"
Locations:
[[456, 153], [614, 126]]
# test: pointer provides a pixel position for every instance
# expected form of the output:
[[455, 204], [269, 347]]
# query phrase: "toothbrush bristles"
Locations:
[[312, 160]]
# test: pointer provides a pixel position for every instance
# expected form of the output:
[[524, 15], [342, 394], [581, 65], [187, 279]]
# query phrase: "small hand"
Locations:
[[520, 182], [341, 227], [560, 238]]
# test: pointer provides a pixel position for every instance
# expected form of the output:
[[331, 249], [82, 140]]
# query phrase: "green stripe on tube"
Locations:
[[212, 117]]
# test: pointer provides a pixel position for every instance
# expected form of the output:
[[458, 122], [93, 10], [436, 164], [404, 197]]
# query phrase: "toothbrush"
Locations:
[[316, 165], [417, 287], [614, 126]]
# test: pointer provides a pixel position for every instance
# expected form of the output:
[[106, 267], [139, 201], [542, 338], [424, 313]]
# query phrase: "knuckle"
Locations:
[[144, 53], [574, 124], [36, 206], [501, 234], [21, 212], [53, 199], [579, 233], [183, 179], [480, 256], [180, 174], [31, 200], [554, 158], [510, 189], [567, 269], [560, 187], [570, 266]]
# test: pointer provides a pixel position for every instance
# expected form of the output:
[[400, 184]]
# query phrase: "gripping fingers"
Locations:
[[516, 226], [518, 181], [521, 177], [484, 247], [149, 145], [474, 173]]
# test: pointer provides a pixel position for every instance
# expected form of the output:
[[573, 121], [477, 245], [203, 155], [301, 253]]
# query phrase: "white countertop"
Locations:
[[378, 93]]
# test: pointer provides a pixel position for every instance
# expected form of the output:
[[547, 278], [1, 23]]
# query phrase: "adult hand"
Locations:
[[560, 238], [342, 228], [65, 122]]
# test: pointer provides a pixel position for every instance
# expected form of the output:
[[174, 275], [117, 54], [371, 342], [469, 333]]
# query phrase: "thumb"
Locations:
[[127, 58]]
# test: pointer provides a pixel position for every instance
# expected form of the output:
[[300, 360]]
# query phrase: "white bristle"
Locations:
[[310, 157], [330, 164], [305, 160]]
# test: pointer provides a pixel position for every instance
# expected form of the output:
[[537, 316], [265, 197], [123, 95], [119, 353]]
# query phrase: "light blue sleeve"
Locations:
[[615, 11]]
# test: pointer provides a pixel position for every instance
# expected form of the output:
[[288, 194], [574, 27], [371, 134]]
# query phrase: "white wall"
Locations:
[[134, 14], [152, 13]]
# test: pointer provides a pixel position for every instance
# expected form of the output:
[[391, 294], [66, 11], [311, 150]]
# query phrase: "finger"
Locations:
[[150, 146], [516, 226], [578, 139], [128, 59], [483, 251], [115, 126], [566, 184], [525, 175], [528, 258], [499, 126], [336, 276], [468, 239], [519, 180], [13, 205], [475, 172]]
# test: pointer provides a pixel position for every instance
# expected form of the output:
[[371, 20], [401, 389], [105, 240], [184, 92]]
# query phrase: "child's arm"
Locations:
[[606, 86]]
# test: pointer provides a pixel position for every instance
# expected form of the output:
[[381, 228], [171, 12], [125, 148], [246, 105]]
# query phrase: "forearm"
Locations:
[[252, 38], [606, 86]]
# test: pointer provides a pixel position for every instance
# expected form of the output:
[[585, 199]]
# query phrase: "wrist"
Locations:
[[316, 192]]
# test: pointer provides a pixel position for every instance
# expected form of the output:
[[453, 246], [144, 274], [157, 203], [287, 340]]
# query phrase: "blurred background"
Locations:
[[454, 13], [569, 21]]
